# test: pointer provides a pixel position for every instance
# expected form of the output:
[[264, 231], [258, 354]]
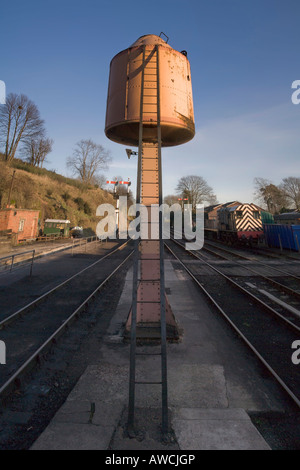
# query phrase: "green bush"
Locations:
[[80, 203], [66, 196], [87, 209]]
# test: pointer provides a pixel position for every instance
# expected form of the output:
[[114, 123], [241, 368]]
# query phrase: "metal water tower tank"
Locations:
[[124, 95]]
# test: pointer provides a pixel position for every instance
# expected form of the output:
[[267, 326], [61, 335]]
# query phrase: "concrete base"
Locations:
[[148, 331], [212, 380], [216, 429]]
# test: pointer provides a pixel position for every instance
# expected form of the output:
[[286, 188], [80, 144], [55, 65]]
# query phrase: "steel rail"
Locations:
[[35, 357], [263, 251], [238, 331], [256, 260], [245, 291], [277, 284], [22, 310]]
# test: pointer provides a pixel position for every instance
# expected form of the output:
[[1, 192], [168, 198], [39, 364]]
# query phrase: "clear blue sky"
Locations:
[[244, 56]]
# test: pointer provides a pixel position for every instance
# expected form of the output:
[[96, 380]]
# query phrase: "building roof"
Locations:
[[211, 208], [288, 215], [58, 221], [220, 205]]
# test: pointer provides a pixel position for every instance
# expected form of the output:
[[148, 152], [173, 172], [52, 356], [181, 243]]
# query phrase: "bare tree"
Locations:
[[19, 122], [171, 199], [269, 195], [291, 189], [36, 150], [196, 189], [100, 180], [87, 159]]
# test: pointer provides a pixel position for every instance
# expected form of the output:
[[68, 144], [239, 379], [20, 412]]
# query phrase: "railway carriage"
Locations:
[[240, 223], [56, 227]]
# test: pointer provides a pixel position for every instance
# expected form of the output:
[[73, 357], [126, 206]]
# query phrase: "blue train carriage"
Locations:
[[57, 228], [285, 233], [241, 223]]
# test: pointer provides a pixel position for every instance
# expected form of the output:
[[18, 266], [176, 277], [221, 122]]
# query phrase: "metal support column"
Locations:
[[147, 320]]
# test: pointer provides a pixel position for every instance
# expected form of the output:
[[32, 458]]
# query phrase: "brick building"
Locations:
[[22, 222]]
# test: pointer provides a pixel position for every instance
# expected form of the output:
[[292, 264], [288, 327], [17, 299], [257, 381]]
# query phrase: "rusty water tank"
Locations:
[[124, 93]]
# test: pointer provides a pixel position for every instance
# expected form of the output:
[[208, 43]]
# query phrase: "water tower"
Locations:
[[149, 106]]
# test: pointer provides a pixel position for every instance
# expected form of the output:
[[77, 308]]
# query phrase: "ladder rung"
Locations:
[[148, 354], [147, 383]]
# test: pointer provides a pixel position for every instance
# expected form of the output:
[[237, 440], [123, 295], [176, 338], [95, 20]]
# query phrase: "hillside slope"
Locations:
[[52, 194]]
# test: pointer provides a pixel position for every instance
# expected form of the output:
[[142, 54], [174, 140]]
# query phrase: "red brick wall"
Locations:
[[10, 220]]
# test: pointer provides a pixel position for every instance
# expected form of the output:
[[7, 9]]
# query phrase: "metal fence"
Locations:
[[8, 262], [11, 262]]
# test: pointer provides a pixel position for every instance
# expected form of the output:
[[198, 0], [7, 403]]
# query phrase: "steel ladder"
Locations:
[[148, 297]]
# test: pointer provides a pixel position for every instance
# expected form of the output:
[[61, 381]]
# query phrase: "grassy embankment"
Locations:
[[54, 195]]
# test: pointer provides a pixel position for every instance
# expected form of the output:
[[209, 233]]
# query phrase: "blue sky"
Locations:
[[244, 56]]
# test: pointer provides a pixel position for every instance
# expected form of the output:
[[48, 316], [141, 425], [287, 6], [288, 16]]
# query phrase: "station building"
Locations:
[[288, 218], [22, 223]]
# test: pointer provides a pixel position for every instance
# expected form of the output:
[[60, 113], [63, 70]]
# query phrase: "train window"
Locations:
[[256, 214], [239, 214]]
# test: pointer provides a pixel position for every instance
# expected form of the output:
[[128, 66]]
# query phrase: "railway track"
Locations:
[[268, 333], [286, 287], [249, 255], [217, 250], [30, 331], [261, 252], [7, 319]]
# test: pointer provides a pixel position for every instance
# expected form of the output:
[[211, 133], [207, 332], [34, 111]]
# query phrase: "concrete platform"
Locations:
[[212, 381]]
